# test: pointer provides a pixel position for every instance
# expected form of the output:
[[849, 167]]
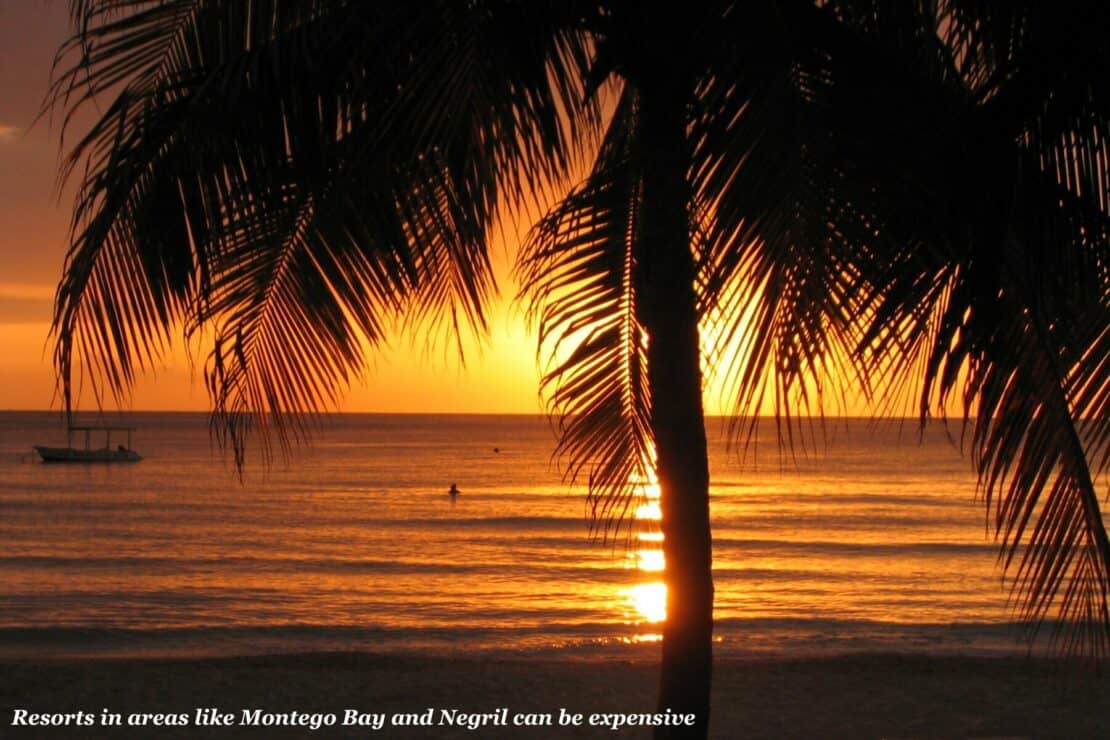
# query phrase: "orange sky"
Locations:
[[33, 231], [502, 378]]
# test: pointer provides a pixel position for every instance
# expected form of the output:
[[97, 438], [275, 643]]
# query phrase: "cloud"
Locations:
[[25, 304], [24, 311], [30, 291]]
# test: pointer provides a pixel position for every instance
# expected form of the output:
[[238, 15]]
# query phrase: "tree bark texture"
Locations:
[[667, 308]]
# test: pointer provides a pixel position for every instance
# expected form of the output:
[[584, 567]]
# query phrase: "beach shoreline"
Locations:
[[846, 696]]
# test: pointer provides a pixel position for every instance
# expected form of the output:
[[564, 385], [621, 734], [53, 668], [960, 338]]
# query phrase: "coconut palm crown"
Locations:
[[906, 197]]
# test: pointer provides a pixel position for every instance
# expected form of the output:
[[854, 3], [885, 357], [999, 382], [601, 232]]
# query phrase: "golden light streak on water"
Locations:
[[650, 561], [650, 600]]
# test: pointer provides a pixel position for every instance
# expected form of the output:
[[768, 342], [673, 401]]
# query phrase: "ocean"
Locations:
[[872, 539]]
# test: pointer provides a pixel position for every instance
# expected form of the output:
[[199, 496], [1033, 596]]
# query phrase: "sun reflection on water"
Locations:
[[649, 599], [650, 561]]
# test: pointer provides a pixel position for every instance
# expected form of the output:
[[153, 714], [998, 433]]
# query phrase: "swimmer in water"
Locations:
[[454, 491]]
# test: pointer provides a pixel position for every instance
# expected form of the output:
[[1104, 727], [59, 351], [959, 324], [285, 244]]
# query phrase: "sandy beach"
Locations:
[[861, 696]]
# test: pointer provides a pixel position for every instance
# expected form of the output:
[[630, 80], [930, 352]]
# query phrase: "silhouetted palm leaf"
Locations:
[[576, 269], [247, 155], [782, 225], [889, 193], [993, 285]]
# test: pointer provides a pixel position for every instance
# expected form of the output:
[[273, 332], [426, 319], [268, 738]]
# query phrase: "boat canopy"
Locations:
[[88, 429]]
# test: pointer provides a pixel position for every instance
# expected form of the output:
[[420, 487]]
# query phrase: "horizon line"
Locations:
[[769, 417]]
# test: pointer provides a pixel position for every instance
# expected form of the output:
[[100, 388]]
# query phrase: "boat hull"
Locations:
[[74, 455]]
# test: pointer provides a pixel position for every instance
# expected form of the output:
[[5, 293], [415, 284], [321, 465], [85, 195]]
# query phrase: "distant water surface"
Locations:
[[874, 542]]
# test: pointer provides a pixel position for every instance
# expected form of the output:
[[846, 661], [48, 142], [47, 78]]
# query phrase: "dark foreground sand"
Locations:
[[844, 697]]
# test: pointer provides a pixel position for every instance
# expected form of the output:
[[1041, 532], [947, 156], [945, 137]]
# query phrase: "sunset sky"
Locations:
[[501, 377]]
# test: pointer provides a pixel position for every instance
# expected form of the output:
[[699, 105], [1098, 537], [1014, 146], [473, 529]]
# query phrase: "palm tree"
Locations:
[[882, 193]]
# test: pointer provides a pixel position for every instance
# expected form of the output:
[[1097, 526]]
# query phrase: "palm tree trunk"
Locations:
[[665, 276]]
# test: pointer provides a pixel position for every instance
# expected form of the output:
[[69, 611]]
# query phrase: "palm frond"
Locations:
[[1002, 299], [776, 200], [576, 270], [279, 167], [179, 183], [878, 192]]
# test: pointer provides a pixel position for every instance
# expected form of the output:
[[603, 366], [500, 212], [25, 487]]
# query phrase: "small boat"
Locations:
[[89, 454]]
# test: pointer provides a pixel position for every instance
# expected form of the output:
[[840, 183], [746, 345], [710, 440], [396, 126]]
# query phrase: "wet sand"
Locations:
[[859, 696]]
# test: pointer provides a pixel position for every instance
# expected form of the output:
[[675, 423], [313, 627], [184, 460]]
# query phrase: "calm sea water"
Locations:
[[874, 542]]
